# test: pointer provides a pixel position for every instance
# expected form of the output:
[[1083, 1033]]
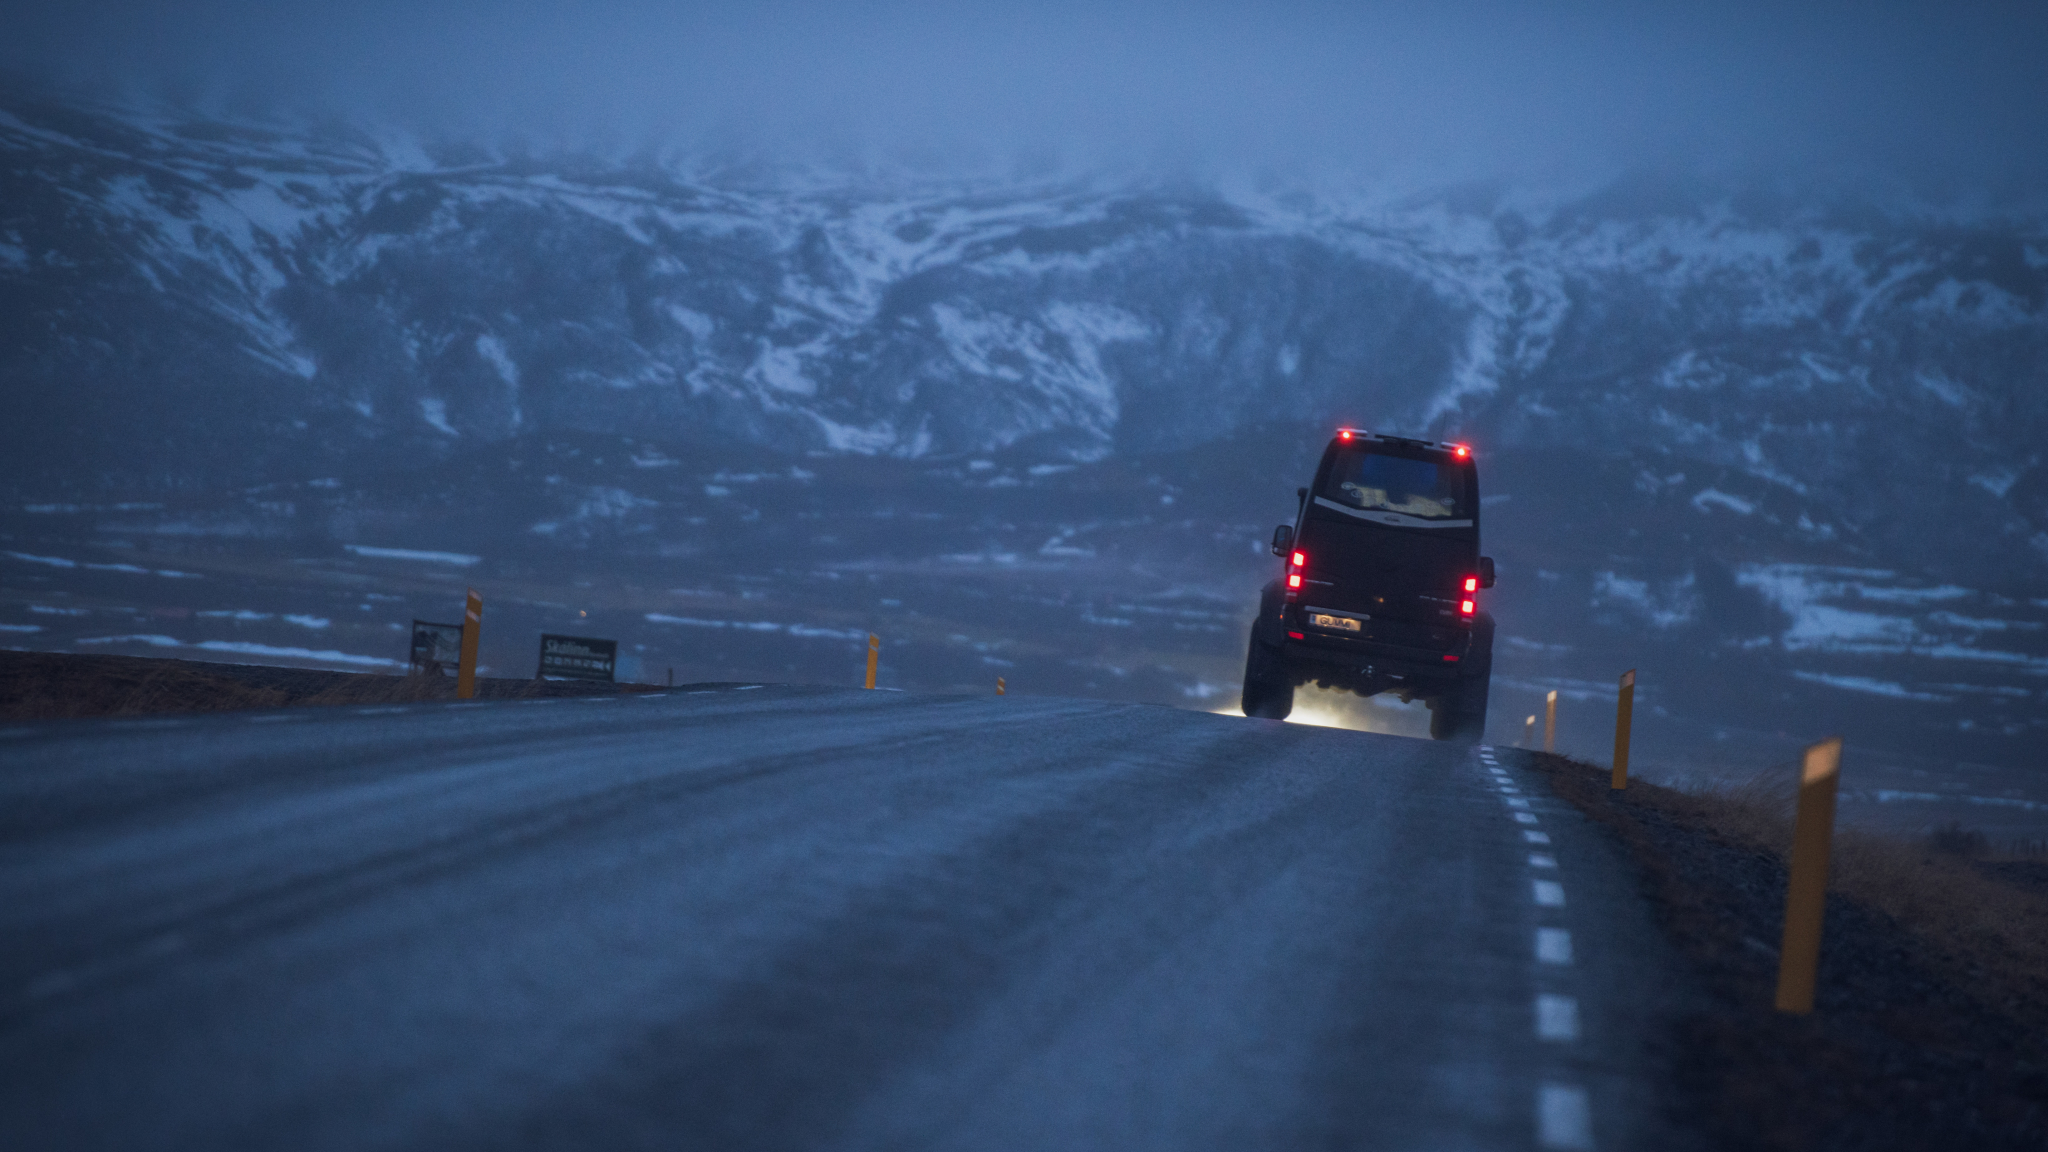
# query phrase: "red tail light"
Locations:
[[1466, 607], [1294, 581], [1299, 560], [1295, 563], [1471, 583]]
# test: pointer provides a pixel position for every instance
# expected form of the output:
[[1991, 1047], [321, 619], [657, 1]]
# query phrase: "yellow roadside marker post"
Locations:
[[1813, 832], [472, 627], [999, 685], [874, 653], [1550, 722], [1529, 732], [1624, 714]]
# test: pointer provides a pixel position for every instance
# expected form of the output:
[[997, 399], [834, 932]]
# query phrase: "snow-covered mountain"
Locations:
[[1777, 434]]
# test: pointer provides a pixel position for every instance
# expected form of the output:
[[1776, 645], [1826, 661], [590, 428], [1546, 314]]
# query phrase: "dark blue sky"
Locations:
[[1928, 92]]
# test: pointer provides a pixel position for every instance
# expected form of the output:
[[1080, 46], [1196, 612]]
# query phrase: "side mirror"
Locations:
[[1283, 539], [1486, 571]]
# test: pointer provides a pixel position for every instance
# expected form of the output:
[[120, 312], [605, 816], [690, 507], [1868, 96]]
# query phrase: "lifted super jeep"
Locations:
[[1380, 592]]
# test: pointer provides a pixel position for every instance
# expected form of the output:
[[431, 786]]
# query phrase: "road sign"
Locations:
[[577, 658], [435, 647]]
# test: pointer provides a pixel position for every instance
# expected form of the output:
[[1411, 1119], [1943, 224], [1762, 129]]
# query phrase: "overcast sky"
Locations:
[[1459, 90]]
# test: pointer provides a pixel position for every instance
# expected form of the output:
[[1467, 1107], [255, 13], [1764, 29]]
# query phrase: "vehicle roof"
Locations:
[[1365, 434]]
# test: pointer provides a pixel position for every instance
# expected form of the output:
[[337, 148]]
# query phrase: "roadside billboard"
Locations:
[[436, 648], [577, 658]]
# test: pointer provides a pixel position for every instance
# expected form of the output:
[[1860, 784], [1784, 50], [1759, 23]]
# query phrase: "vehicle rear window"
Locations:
[[1377, 482]]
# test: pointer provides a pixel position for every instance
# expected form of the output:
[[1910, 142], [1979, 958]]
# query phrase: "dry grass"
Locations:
[[55, 686], [1931, 1025], [1980, 922]]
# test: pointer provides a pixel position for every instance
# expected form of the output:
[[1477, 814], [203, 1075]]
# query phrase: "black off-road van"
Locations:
[[1380, 590]]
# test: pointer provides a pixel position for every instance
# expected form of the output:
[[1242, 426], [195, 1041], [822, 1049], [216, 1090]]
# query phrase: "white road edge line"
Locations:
[[1564, 1119], [1553, 946], [1557, 1017], [1549, 893]]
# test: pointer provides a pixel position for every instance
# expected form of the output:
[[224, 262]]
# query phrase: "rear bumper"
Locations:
[[1364, 660]]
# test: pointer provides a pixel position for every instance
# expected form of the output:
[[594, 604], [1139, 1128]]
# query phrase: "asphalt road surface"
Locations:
[[803, 918]]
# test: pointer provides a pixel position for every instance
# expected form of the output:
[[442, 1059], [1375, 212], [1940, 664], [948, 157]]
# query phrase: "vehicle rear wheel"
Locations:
[[1268, 691], [1460, 714]]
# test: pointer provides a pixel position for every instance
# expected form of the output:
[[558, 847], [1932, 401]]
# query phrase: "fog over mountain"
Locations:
[[760, 338]]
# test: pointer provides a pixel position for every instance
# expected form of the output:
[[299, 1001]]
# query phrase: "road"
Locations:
[[809, 918]]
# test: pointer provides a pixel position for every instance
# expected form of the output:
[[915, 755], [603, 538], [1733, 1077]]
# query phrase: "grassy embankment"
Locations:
[[51, 686], [1931, 1028]]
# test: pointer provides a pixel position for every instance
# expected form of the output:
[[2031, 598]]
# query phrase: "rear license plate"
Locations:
[[1340, 623]]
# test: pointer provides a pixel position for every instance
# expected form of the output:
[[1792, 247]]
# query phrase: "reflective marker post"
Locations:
[[999, 685], [472, 628], [874, 653], [1550, 722], [1813, 833], [1624, 714], [1529, 732]]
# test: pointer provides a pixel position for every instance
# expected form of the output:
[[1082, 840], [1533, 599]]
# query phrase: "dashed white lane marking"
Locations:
[[600, 699], [1553, 946], [1525, 818], [1517, 802], [275, 717], [470, 704], [1536, 837], [379, 711], [1563, 1118], [1542, 860], [703, 692], [1557, 1017], [650, 695], [749, 687], [1549, 893], [540, 701]]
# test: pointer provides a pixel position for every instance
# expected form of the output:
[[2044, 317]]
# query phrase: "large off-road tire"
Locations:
[[1460, 714], [1268, 690]]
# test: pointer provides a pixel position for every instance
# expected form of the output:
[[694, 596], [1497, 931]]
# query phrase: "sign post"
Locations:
[[1624, 714], [1550, 722], [874, 653], [472, 629], [1813, 833], [578, 658]]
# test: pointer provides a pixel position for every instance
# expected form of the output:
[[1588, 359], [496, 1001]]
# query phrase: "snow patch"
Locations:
[[1712, 496], [435, 412], [1869, 685], [459, 559]]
